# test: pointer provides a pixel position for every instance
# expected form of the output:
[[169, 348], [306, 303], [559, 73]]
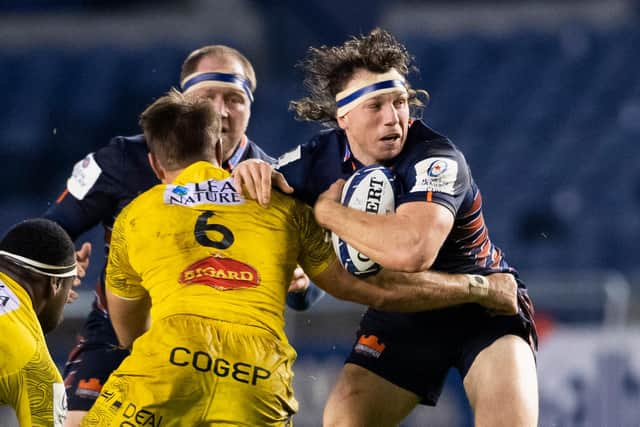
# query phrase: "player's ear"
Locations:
[[55, 284], [156, 166], [343, 122]]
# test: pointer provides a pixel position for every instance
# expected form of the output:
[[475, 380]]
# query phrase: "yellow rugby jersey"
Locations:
[[198, 247], [29, 379]]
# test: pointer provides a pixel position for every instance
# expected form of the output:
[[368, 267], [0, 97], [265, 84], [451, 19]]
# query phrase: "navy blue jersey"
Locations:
[[429, 169], [418, 349]]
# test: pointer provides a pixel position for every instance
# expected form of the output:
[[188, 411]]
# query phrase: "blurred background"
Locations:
[[542, 97]]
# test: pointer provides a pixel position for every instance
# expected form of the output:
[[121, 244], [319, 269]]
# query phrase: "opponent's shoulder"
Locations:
[[328, 146], [283, 209], [426, 146], [146, 202], [327, 142], [131, 142], [122, 149], [292, 210], [425, 139]]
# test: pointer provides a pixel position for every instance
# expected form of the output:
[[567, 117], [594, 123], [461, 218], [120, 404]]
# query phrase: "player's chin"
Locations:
[[232, 136], [388, 152]]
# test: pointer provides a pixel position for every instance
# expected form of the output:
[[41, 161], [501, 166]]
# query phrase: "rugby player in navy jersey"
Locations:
[[104, 182], [400, 360]]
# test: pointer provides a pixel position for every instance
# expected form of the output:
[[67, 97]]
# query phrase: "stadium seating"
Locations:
[[548, 122]]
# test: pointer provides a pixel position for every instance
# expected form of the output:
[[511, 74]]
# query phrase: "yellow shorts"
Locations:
[[194, 371]]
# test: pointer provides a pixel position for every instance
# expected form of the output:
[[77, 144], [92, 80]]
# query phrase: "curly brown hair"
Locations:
[[328, 69]]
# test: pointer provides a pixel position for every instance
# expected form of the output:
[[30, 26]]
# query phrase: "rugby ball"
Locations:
[[370, 189]]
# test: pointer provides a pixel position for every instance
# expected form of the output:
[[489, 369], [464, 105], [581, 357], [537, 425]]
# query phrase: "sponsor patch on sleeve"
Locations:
[[288, 157], [85, 174], [436, 174]]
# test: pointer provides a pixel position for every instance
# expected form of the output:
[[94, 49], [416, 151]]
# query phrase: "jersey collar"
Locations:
[[238, 154]]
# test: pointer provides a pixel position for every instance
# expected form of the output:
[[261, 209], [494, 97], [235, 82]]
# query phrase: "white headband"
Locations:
[[362, 89], [42, 268], [235, 81]]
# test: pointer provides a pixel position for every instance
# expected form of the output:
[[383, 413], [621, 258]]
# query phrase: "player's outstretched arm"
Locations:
[[496, 292], [254, 178], [422, 291]]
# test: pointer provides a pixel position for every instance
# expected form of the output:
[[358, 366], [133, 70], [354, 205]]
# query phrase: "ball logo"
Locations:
[[437, 168], [369, 190]]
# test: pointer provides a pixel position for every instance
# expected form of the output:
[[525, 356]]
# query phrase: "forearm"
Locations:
[[423, 291], [431, 290], [389, 240], [400, 292], [427, 290]]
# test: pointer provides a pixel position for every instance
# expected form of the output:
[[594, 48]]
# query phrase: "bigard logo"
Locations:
[[220, 273]]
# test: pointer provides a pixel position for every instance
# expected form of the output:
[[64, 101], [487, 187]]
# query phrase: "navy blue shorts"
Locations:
[[416, 350], [91, 362]]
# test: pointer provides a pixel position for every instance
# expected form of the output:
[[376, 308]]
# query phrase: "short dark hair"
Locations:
[[219, 51], [41, 240], [181, 130], [329, 68]]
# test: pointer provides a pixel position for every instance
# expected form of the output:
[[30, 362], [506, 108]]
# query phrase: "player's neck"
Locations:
[[170, 176]]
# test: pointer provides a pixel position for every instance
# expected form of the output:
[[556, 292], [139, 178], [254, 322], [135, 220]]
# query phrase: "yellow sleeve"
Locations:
[[317, 252], [13, 394], [121, 279]]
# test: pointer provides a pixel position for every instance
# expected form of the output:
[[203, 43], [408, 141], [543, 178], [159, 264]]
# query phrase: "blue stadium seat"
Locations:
[[536, 114]]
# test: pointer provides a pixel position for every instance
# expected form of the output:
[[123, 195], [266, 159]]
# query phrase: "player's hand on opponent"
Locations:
[[254, 178], [334, 192], [82, 263], [299, 282], [501, 296]]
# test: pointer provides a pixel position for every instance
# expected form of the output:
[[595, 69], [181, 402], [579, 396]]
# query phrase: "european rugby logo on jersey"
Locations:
[[437, 174], [84, 175], [203, 193], [220, 273]]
